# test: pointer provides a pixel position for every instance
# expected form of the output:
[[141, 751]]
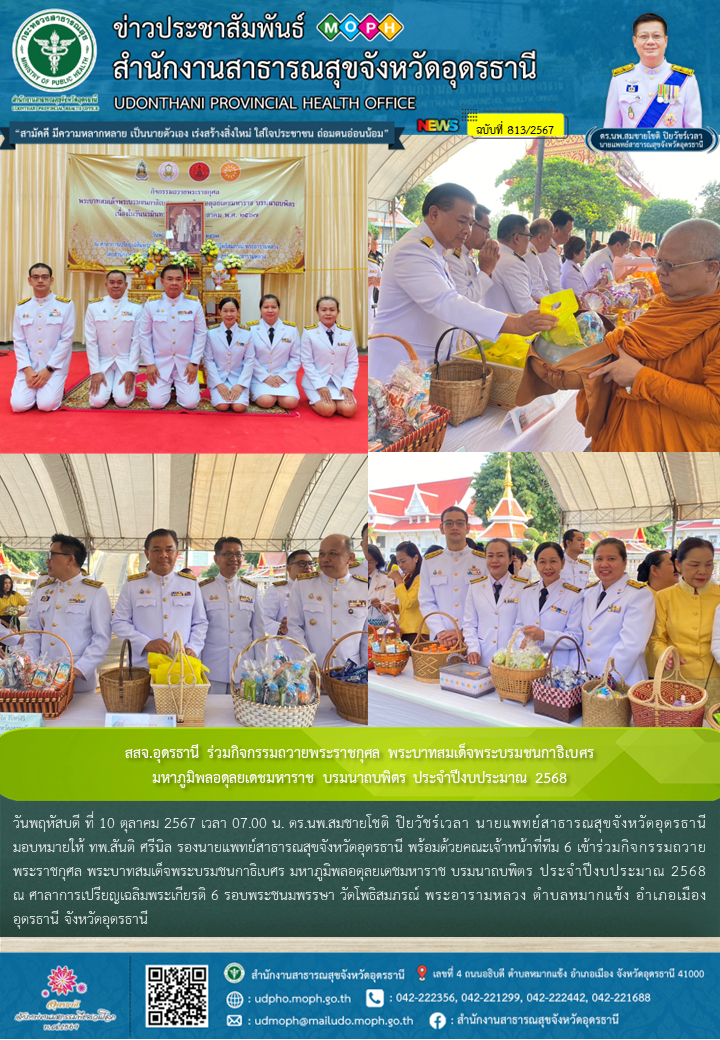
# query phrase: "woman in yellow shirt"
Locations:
[[9, 599], [407, 586], [684, 615], [658, 571]]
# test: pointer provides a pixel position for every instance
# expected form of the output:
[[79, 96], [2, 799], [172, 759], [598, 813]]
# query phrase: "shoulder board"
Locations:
[[359, 577], [355, 563], [155, 296], [345, 328], [97, 299], [62, 299], [428, 242], [256, 322], [134, 577], [571, 588], [581, 560], [190, 297], [190, 577], [623, 68], [432, 554], [637, 584], [208, 581], [516, 578], [309, 328], [679, 68], [277, 584], [50, 582], [302, 577], [26, 300], [248, 582], [457, 252], [532, 584], [477, 552], [95, 584], [241, 326], [43, 574], [291, 323], [476, 580], [83, 572], [592, 584]]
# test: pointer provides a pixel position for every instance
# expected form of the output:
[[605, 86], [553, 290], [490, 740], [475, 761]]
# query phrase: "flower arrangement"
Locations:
[[232, 262], [157, 250], [184, 259], [136, 259], [209, 249]]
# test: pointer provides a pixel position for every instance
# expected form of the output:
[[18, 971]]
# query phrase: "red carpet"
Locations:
[[140, 432]]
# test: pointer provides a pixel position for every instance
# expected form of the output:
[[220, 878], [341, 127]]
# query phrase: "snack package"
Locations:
[[61, 675], [568, 678], [591, 328], [508, 349], [643, 287], [43, 670], [595, 301], [563, 305], [531, 656]]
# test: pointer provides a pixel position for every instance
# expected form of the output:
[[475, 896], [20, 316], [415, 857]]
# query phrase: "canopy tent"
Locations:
[[391, 173], [606, 489], [272, 502]]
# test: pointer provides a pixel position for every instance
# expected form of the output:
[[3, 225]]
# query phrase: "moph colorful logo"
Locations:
[[333, 27]]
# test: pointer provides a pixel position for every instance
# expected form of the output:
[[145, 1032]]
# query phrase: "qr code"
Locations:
[[176, 995]]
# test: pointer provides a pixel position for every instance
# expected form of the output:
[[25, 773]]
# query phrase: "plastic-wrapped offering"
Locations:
[[531, 656], [563, 305], [595, 301], [568, 678], [591, 328]]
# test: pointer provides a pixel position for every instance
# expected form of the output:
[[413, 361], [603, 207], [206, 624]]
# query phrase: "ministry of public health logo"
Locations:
[[332, 27], [54, 50]]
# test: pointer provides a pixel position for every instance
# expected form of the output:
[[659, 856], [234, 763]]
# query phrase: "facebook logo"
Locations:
[[437, 1020]]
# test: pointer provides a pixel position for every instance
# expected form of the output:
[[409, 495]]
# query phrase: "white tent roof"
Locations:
[[271, 502], [642, 488], [392, 173]]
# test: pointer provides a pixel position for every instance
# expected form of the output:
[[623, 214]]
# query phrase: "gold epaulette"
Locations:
[[355, 563], [428, 242], [95, 584], [207, 581], [84, 571], [248, 582], [277, 584], [623, 68], [155, 296], [679, 68], [301, 576], [134, 577], [478, 552], [586, 562], [516, 577], [476, 580], [345, 328], [637, 584], [359, 577], [241, 326], [309, 328], [571, 588], [255, 322], [96, 300], [532, 584], [26, 300], [291, 323], [436, 553], [52, 580], [62, 299], [190, 297], [592, 584], [190, 576], [457, 252]]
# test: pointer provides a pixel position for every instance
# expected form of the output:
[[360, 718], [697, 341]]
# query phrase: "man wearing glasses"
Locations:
[[153, 606], [446, 575], [234, 611], [653, 93], [43, 331], [275, 600], [666, 376], [473, 277], [512, 287], [73, 607]]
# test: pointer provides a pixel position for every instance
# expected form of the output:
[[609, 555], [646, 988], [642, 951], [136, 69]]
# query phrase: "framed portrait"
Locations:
[[186, 222]]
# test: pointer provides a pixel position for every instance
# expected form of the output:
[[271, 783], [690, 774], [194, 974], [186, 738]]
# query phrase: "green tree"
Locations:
[[592, 193], [374, 229], [660, 214], [26, 561], [530, 488], [654, 534], [711, 205], [210, 571], [252, 557], [412, 201]]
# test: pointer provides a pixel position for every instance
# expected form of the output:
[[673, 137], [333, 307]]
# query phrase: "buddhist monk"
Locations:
[[666, 393]]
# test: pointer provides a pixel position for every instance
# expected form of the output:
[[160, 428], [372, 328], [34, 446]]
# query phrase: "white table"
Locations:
[[88, 709], [401, 701], [494, 431]]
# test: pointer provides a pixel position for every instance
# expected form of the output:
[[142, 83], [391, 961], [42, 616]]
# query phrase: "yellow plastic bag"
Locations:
[[563, 305], [508, 349], [162, 674]]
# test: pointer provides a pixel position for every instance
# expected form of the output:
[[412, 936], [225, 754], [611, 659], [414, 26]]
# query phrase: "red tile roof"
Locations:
[[437, 495]]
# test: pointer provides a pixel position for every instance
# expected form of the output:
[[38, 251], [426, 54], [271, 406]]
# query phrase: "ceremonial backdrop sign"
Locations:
[[252, 207]]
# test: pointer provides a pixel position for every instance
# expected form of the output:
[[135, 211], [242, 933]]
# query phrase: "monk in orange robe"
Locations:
[[666, 395]]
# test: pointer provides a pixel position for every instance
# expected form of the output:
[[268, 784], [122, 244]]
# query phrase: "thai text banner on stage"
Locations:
[[252, 207]]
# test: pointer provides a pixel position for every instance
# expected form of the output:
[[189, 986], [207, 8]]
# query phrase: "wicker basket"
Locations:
[[431, 435], [563, 705], [506, 379], [427, 664], [461, 386], [185, 699], [274, 716], [389, 664], [50, 705], [350, 699], [652, 699], [514, 684], [713, 710], [599, 711], [125, 689]]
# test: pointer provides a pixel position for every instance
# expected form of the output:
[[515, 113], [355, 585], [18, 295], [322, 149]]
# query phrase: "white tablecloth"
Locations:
[[494, 431]]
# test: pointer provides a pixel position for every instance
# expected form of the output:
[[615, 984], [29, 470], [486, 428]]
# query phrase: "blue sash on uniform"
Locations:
[[657, 107]]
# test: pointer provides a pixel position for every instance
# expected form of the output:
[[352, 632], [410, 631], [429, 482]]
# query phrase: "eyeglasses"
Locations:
[[655, 37], [482, 226], [668, 268], [523, 234], [231, 556], [51, 555]]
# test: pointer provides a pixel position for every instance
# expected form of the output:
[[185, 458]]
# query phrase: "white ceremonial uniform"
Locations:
[[538, 274], [229, 364], [172, 335], [79, 612], [575, 572], [444, 581], [235, 618], [552, 263], [275, 605], [599, 261], [512, 284], [469, 280], [620, 627], [419, 301], [634, 88], [487, 625], [331, 363], [572, 277], [322, 609], [152, 606], [112, 342], [561, 615], [281, 357], [43, 330], [360, 567]]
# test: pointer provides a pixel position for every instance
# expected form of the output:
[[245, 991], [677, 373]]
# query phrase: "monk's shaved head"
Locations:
[[698, 237], [692, 248]]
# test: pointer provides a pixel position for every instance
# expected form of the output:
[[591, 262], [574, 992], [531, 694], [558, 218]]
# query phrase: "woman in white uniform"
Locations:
[[618, 615], [491, 606], [571, 276], [550, 608], [229, 360], [277, 357], [330, 362]]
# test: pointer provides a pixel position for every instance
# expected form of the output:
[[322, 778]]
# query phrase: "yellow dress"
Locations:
[[650, 659], [684, 618], [410, 613]]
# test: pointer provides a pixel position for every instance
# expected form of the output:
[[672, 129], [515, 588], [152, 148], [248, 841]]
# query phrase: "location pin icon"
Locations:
[[422, 972]]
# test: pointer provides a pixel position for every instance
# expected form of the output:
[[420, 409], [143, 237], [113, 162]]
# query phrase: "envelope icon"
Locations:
[[234, 1020]]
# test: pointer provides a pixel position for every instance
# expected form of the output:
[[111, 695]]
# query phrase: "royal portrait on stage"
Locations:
[[186, 222]]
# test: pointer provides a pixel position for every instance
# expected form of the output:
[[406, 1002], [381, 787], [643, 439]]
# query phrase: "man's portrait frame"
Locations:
[[196, 211]]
